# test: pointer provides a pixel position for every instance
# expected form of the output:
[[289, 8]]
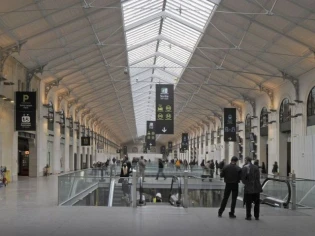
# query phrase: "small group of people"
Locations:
[[250, 177], [209, 167]]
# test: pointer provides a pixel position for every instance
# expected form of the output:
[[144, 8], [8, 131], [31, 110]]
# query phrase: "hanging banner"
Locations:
[[125, 150], [25, 111], [164, 109], [150, 136], [185, 141], [85, 141], [163, 150], [229, 124], [170, 146]]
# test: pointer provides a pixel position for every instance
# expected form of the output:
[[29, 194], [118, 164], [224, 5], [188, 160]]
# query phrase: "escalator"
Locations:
[[276, 193]]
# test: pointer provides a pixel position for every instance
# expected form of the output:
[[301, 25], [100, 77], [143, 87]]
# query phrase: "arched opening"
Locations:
[[263, 143], [311, 112], [285, 138]]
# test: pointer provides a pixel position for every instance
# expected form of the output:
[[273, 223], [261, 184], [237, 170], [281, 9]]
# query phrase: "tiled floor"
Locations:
[[28, 207]]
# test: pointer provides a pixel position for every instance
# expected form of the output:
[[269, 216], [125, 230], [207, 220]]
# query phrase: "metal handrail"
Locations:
[[179, 200], [111, 193], [285, 204]]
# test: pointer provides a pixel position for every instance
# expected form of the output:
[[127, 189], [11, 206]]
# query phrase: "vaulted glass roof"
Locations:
[[161, 36]]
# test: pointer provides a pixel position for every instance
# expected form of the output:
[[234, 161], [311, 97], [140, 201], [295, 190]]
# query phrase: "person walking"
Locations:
[[275, 168], [161, 167], [263, 168], [211, 169], [216, 167], [231, 174], [252, 189], [142, 167]]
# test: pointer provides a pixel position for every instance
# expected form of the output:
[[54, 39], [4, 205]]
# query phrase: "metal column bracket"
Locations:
[[50, 85], [269, 92], [6, 52], [30, 74], [71, 103], [62, 96], [220, 117], [239, 108], [295, 83], [85, 113], [212, 120], [251, 102]]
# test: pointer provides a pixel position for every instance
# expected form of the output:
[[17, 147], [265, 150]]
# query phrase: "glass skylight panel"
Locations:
[[169, 66], [136, 10], [143, 33], [168, 78], [180, 33], [146, 74], [142, 52], [174, 51], [196, 12], [182, 26]]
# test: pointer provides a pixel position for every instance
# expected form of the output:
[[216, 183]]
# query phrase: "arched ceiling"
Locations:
[[215, 52]]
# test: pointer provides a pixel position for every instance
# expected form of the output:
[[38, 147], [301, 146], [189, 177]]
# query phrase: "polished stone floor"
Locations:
[[29, 207]]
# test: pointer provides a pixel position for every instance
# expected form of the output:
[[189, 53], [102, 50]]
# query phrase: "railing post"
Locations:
[[293, 186], [102, 174], [134, 188], [185, 189]]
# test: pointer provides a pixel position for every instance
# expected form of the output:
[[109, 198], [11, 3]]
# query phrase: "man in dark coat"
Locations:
[[252, 188], [160, 171], [231, 174]]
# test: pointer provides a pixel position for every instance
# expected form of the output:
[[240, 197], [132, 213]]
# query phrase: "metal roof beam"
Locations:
[[159, 37], [163, 15]]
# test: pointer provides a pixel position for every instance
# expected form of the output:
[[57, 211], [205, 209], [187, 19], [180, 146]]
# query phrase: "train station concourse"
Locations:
[[139, 117]]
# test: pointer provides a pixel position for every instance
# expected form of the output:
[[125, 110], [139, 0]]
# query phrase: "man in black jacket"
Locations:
[[252, 188], [161, 167], [231, 174]]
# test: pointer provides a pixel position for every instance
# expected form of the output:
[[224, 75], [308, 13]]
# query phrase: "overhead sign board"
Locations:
[[185, 141], [229, 124], [150, 135], [163, 150], [25, 111], [164, 109], [170, 146]]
